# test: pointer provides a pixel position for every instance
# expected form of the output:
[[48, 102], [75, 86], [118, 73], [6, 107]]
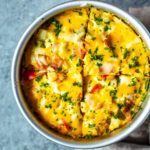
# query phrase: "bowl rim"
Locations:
[[16, 65]]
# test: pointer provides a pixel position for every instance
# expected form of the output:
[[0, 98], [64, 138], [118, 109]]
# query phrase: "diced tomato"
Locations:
[[96, 88], [66, 124], [29, 74], [104, 76], [57, 62], [54, 66], [82, 53]]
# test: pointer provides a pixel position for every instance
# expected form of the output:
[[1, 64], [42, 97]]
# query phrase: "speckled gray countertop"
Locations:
[[15, 131]]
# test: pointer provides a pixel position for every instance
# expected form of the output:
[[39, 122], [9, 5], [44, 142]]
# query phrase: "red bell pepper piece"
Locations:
[[29, 74], [96, 88]]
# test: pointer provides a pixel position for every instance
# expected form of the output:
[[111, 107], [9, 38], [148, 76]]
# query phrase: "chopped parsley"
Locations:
[[118, 79], [48, 106], [38, 78], [59, 68], [71, 56], [43, 84], [133, 82], [74, 129], [90, 52], [91, 125], [72, 103], [97, 57], [65, 97], [54, 112], [134, 62], [120, 105], [89, 136], [96, 50], [119, 115], [98, 64], [98, 20], [79, 63], [113, 94], [107, 22], [125, 53], [58, 26], [133, 113], [79, 84], [106, 28], [107, 48]]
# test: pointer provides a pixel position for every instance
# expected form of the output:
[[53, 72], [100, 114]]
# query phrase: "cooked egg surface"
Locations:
[[85, 73]]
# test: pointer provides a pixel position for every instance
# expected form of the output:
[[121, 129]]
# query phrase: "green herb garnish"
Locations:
[[98, 20], [71, 56], [65, 97], [57, 24], [133, 82], [38, 78], [97, 57], [118, 79], [98, 64], [96, 50], [125, 53], [134, 62], [89, 136], [79, 84], [107, 48], [44, 84], [48, 106], [120, 105], [59, 68], [79, 63], [113, 94], [119, 115], [91, 125], [90, 52], [106, 28]]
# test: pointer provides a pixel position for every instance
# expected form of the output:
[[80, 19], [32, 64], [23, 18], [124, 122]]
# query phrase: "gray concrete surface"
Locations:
[[15, 131]]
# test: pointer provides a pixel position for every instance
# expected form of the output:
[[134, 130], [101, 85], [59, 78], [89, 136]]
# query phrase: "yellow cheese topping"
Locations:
[[85, 73]]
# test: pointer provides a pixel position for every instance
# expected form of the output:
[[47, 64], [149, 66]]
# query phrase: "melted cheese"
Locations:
[[85, 73]]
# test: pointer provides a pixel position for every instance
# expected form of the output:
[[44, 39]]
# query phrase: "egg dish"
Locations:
[[85, 73]]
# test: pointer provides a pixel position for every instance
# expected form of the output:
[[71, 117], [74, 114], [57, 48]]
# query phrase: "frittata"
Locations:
[[85, 73]]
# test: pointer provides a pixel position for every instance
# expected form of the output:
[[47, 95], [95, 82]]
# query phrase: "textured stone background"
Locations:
[[15, 131]]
